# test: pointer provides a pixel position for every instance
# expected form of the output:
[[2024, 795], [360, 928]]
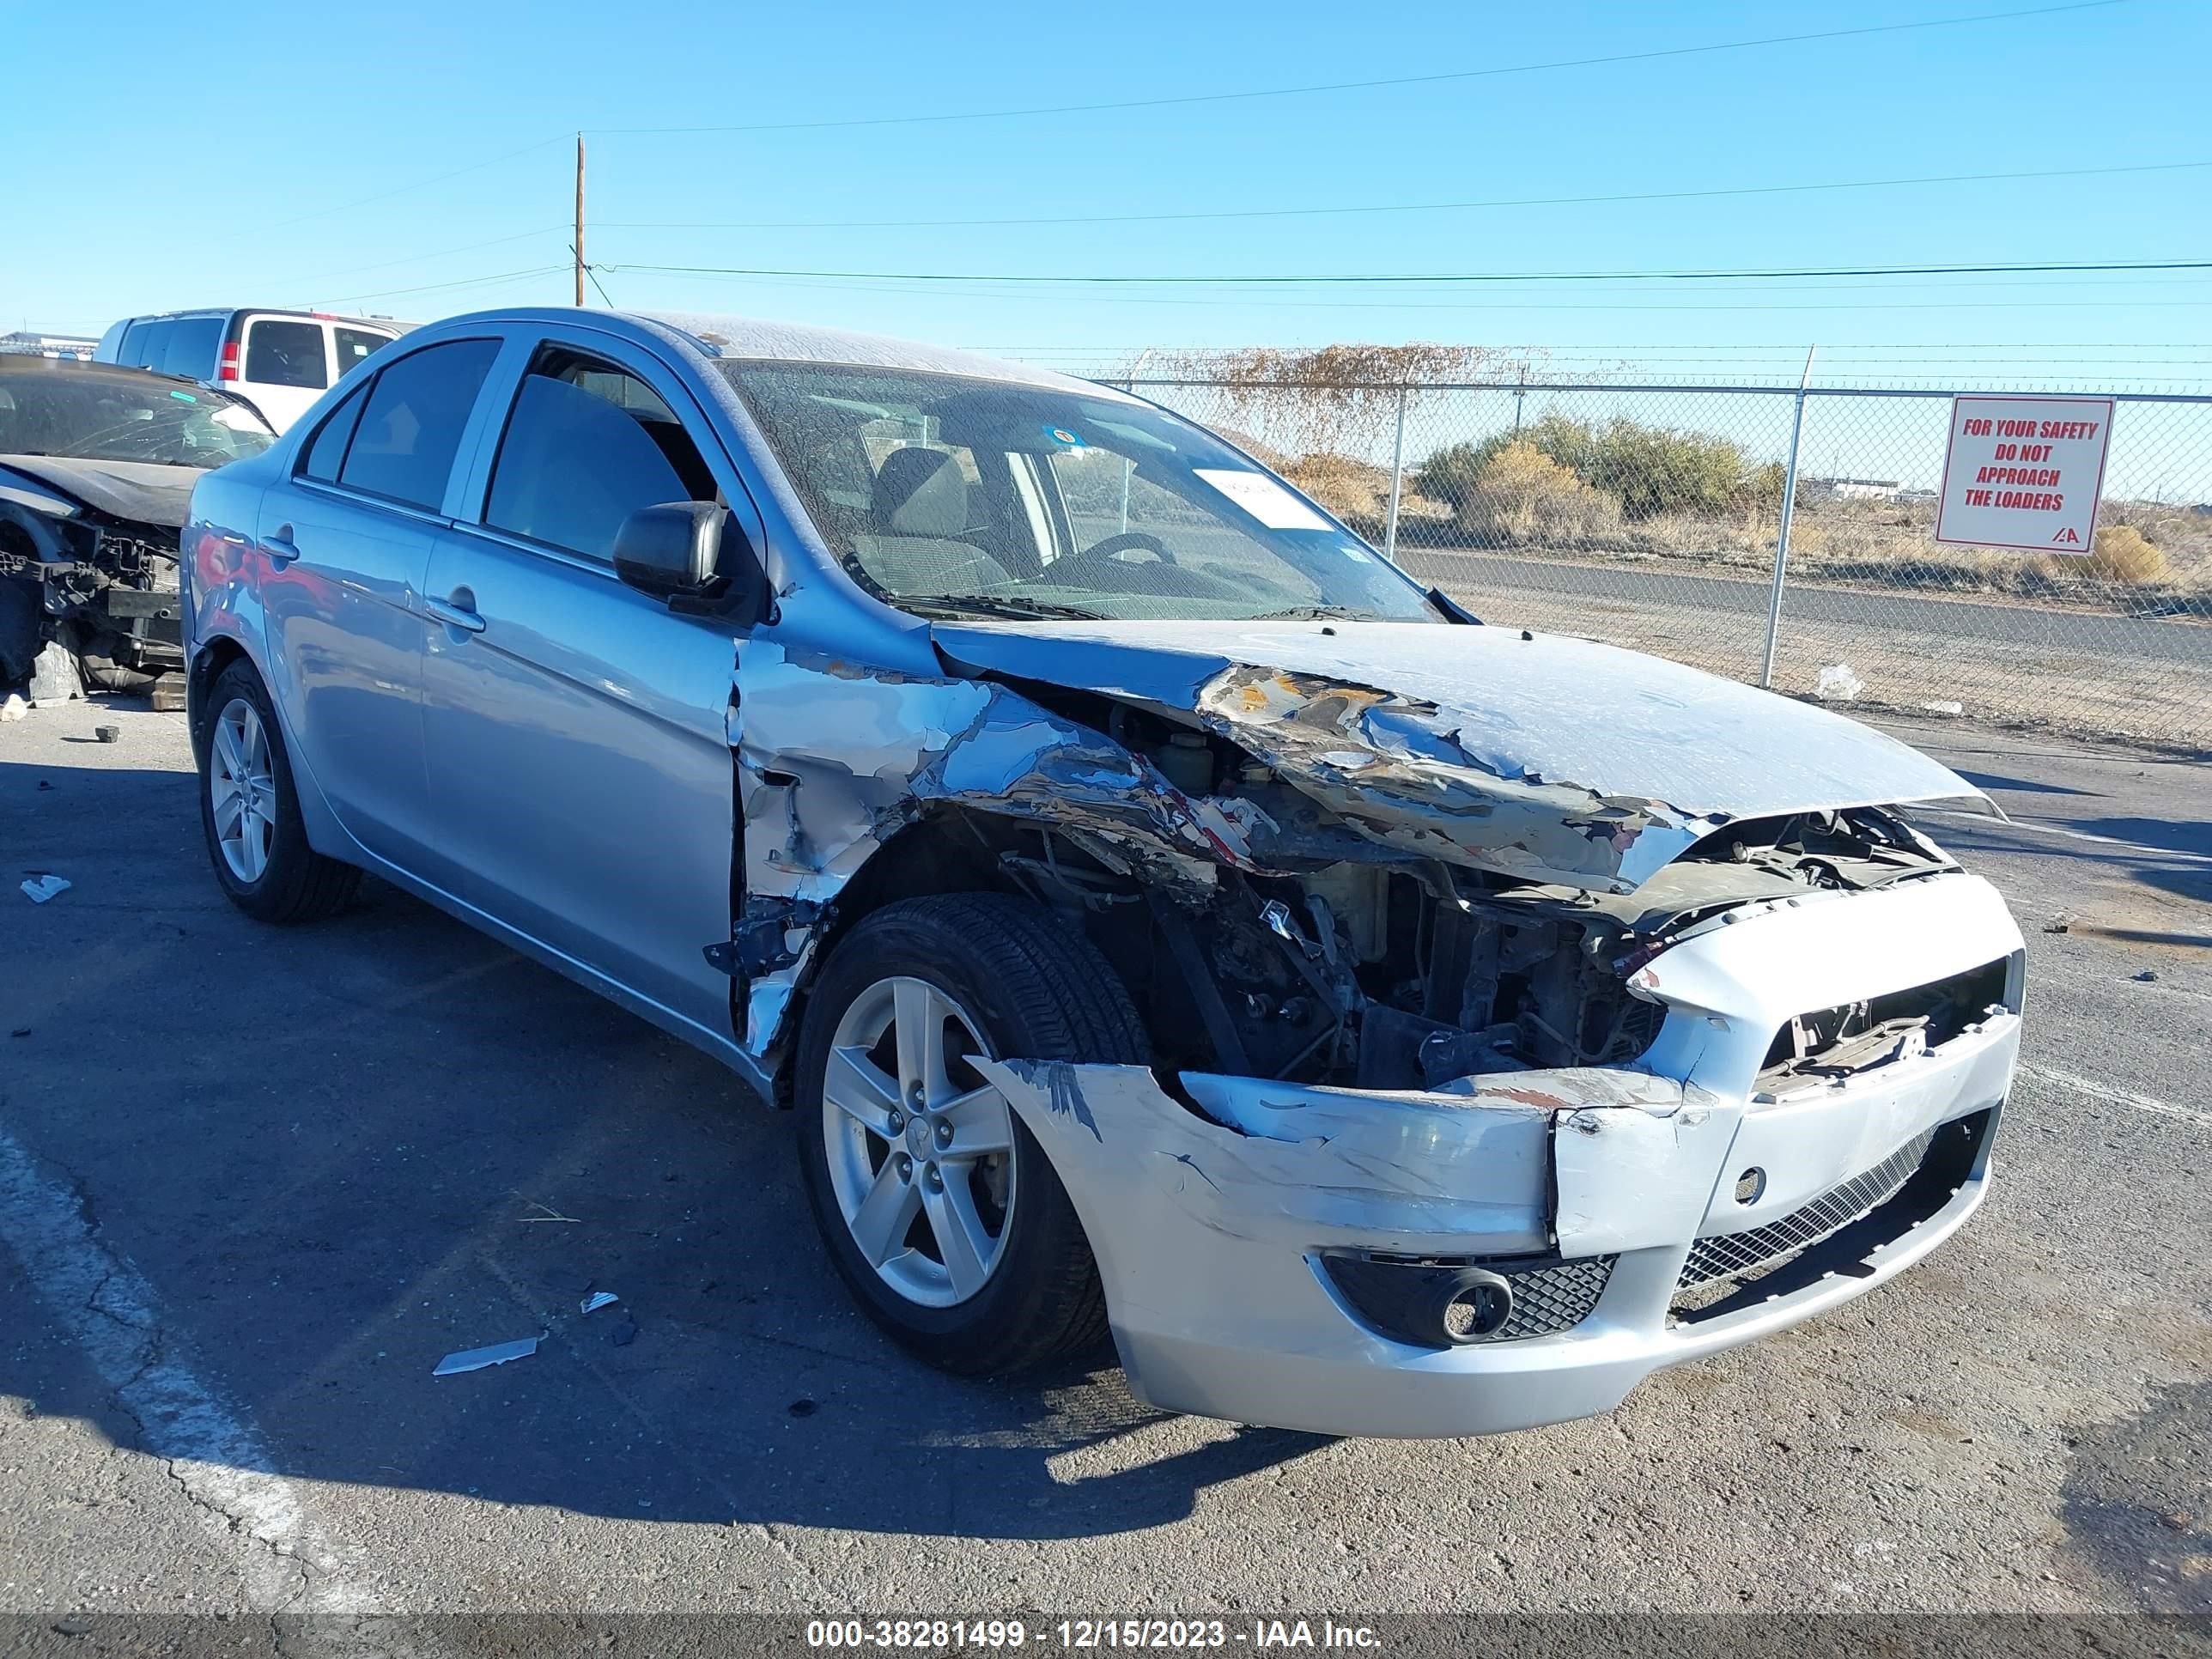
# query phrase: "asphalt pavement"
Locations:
[[1648, 582], [254, 1183]]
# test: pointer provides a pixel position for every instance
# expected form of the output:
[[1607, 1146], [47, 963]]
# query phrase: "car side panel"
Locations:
[[345, 630], [579, 766]]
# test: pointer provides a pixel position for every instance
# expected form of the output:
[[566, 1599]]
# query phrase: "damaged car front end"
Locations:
[[1524, 1014], [97, 466]]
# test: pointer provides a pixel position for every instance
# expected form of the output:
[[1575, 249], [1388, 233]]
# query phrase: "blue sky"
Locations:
[[293, 164]]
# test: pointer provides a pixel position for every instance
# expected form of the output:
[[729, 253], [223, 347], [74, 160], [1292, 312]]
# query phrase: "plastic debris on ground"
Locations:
[[1837, 684], [39, 889], [54, 677], [475, 1359], [597, 1300], [14, 708], [1943, 708]]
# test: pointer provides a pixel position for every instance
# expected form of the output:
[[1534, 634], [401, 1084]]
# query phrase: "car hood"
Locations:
[[149, 491], [1535, 755]]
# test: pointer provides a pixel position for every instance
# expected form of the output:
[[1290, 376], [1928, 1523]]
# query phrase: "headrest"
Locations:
[[919, 492]]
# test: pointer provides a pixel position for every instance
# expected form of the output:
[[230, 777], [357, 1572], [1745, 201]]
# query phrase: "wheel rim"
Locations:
[[242, 790], [921, 1145]]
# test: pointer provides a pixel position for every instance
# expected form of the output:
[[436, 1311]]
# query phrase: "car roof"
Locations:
[[259, 310], [716, 335]]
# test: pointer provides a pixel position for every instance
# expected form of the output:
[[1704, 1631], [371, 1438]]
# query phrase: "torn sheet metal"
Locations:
[[476, 1359], [834, 760], [597, 1300], [1541, 759]]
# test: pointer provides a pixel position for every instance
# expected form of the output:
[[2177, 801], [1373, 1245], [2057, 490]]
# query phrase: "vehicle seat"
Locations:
[[919, 510]]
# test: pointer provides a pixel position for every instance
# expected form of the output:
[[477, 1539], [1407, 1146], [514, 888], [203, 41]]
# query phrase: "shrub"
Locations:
[[1648, 470], [1653, 469], [2120, 554], [1522, 497], [1349, 488]]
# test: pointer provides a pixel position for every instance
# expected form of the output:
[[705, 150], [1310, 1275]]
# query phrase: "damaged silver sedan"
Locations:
[[1157, 912]]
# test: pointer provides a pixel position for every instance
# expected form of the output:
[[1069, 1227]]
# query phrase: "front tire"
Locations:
[[250, 811], [938, 1208]]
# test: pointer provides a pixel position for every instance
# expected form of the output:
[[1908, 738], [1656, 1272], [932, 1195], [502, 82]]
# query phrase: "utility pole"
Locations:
[[580, 219]]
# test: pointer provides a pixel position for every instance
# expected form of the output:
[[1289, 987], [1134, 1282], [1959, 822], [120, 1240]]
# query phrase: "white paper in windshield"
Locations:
[[1264, 498]]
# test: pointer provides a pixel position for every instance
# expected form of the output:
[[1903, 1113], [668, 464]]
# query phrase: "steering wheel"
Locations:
[[1140, 540]]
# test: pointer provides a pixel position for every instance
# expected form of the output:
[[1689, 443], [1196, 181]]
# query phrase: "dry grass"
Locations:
[[2144, 553], [2120, 554]]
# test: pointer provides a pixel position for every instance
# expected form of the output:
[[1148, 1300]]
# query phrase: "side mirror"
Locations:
[[675, 552], [670, 549]]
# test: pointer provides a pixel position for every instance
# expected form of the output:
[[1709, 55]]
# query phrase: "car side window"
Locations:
[[586, 445], [326, 450], [152, 346], [355, 343], [279, 353], [411, 425], [192, 348]]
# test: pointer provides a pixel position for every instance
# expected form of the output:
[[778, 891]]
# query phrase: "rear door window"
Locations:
[[353, 344], [282, 352], [127, 350], [411, 425], [191, 348], [587, 446]]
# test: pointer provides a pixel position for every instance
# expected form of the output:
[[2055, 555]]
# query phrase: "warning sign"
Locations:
[[2024, 472]]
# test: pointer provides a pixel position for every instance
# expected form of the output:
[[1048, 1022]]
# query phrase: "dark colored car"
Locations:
[[97, 466]]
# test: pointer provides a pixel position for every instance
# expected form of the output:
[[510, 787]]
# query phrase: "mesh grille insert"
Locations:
[[1739, 1255], [1554, 1298]]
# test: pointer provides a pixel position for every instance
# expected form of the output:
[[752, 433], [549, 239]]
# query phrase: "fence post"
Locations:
[[1781, 538], [1397, 479]]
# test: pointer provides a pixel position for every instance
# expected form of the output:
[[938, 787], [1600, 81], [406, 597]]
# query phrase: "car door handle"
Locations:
[[280, 547], [459, 611]]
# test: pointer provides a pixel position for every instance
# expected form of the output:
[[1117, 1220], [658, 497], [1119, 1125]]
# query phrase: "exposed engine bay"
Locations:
[[1385, 972], [97, 466], [103, 587]]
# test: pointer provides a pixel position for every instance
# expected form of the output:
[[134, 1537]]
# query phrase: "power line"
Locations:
[[1397, 207], [463, 281], [402, 190], [1362, 86], [416, 258], [1363, 279]]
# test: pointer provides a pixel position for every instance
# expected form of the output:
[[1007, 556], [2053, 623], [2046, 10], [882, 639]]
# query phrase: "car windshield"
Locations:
[[945, 493], [105, 413]]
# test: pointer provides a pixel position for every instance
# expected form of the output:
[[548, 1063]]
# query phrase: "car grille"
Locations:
[[1409, 1298], [1551, 1298], [1741, 1256]]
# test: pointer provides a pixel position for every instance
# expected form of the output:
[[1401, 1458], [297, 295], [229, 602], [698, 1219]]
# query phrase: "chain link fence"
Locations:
[[1651, 516]]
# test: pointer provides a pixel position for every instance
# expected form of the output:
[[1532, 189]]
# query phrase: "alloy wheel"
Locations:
[[242, 790], [921, 1145]]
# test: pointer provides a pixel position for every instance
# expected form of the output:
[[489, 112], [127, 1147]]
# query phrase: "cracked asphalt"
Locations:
[[255, 1182]]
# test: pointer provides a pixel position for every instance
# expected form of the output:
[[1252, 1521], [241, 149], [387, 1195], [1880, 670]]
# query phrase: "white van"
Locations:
[[280, 361]]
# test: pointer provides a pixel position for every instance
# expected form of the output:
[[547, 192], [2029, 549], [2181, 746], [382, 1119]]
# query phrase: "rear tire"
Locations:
[[1003, 971], [250, 811]]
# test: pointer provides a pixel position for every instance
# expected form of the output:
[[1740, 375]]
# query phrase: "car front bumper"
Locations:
[[1213, 1226]]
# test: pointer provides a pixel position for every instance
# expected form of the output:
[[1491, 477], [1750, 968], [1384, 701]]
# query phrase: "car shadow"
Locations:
[[339, 1152]]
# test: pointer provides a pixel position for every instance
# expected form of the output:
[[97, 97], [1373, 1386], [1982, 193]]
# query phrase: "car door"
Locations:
[[343, 552], [576, 730]]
